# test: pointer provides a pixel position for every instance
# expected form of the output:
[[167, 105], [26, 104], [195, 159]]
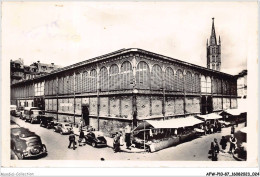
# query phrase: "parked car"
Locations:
[[13, 110], [19, 111], [95, 139], [32, 114], [63, 128], [25, 143], [14, 125], [46, 121]]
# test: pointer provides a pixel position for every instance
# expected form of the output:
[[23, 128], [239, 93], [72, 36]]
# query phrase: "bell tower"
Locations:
[[213, 50]]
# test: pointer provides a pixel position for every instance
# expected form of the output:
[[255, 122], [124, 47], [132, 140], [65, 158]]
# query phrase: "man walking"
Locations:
[[72, 140], [233, 142], [128, 136]]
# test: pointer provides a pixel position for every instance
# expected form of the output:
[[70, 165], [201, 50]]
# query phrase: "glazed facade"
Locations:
[[128, 86]]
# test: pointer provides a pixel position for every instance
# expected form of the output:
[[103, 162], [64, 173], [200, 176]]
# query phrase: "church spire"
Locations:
[[213, 39]]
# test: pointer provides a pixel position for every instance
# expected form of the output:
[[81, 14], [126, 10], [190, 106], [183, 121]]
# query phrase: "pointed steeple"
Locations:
[[213, 39]]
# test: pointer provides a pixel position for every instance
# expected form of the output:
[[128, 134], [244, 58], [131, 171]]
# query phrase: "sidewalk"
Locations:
[[123, 148]]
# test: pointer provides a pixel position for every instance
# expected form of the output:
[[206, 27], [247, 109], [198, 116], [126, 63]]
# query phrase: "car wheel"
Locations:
[[94, 144]]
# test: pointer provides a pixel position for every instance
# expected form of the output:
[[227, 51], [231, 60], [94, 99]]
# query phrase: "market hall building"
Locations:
[[127, 86]]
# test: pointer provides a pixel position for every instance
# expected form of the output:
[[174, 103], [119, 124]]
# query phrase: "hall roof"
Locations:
[[126, 51]]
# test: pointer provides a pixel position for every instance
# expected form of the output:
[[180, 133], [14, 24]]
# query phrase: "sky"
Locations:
[[69, 32]]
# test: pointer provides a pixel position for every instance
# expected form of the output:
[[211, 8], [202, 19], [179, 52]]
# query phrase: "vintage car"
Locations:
[[19, 111], [25, 143], [46, 121], [13, 109], [63, 128], [32, 114], [95, 139]]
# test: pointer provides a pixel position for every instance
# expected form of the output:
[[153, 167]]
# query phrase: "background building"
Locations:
[[128, 86], [20, 72]]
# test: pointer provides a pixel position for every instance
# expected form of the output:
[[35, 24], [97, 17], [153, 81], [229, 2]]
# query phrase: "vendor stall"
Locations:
[[157, 135], [234, 116], [212, 122]]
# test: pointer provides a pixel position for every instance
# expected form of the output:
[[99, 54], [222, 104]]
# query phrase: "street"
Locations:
[[57, 146]]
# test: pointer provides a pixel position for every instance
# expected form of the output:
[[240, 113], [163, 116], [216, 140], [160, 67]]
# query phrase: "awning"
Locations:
[[244, 130], [234, 112], [210, 116], [172, 123]]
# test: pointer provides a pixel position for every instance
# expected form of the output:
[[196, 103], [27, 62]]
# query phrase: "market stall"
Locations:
[[157, 135], [234, 116], [212, 122]]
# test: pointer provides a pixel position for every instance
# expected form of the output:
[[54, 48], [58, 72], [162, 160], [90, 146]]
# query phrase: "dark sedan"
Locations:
[[95, 139], [25, 143]]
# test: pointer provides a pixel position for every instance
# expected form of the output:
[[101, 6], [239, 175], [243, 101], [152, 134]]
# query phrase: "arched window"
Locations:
[[224, 88], [169, 79], [85, 82], [70, 84], [51, 87], [203, 84], [78, 82], [92, 80], [208, 80], [103, 79], [126, 75], [114, 77], [215, 85], [156, 78], [54, 86], [196, 83], [60, 85], [142, 76], [179, 80], [228, 87], [188, 82], [213, 66], [65, 83]]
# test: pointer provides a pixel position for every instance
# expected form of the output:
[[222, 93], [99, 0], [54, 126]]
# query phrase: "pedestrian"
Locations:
[[214, 150], [232, 129], [233, 142], [128, 136], [116, 143], [81, 137], [72, 140], [223, 142]]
